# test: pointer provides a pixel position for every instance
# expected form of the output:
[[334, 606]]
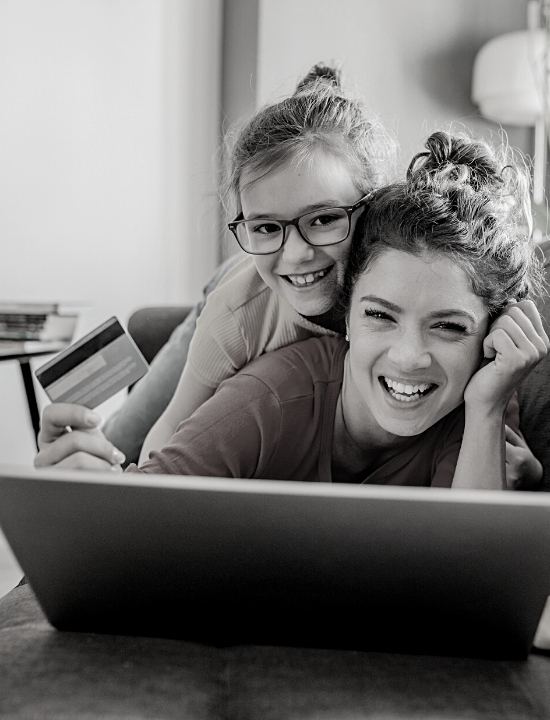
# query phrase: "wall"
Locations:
[[108, 130], [410, 61]]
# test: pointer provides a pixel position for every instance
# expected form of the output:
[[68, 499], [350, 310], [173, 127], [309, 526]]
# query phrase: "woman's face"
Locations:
[[416, 332], [309, 278]]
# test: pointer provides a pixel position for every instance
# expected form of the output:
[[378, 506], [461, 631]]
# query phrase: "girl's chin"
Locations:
[[313, 305]]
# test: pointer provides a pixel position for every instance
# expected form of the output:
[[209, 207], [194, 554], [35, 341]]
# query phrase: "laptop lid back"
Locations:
[[268, 562]]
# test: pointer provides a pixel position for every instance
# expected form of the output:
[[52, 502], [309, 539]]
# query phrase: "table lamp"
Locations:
[[510, 84]]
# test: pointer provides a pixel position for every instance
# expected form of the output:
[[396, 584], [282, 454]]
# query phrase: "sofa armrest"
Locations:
[[151, 327]]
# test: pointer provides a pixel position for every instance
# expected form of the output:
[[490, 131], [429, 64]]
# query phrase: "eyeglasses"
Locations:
[[326, 226]]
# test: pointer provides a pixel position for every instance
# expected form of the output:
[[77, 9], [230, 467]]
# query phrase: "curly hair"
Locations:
[[317, 115], [464, 199]]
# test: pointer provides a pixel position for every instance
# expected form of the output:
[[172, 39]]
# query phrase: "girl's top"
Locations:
[[275, 420], [243, 319]]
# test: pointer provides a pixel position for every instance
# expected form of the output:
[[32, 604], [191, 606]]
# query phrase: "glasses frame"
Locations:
[[349, 210]]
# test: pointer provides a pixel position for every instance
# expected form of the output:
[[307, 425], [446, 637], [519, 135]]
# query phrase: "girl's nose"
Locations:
[[296, 250], [409, 353]]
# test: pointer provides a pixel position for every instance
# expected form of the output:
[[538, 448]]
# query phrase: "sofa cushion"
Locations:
[[534, 394], [49, 674]]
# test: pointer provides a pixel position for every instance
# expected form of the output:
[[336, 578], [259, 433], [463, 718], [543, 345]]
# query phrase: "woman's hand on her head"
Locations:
[[523, 470], [515, 344], [70, 437]]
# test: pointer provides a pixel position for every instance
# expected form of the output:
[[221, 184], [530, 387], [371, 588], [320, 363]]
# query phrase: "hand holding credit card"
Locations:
[[94, 368]]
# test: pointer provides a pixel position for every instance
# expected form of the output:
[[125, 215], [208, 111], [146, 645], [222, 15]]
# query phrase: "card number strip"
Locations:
[[100, 385], [77, 356]]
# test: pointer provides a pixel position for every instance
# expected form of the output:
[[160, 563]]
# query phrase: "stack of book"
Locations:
[[27, 327]]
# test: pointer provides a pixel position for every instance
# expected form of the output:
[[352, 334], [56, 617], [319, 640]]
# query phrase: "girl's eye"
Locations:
[[451, 327], [378, 315], [324, 219], [266, 229]]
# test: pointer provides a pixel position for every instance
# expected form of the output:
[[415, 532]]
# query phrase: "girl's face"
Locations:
[[416, 332], [309, 278]]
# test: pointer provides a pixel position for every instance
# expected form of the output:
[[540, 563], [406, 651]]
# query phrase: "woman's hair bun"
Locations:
[[320, 73], [457, 158]]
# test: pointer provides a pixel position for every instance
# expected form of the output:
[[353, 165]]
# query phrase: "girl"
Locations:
[[313, 158], [439, 334]]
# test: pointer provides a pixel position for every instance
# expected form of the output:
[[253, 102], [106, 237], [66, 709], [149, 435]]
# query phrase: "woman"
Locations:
[[439, 334]]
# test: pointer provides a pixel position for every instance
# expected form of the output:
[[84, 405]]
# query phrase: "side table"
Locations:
[[23, 352]]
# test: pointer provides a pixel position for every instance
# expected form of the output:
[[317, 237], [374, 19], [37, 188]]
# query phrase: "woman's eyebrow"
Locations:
[[381, 301], [454, 313]]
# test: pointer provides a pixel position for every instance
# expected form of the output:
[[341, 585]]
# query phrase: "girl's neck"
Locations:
[[330, 320]]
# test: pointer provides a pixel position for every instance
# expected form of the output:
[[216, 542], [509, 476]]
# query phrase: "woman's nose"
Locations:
[[296, 250], [409, 353]]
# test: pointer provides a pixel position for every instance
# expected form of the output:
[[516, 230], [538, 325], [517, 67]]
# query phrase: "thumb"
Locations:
[[489, 350]]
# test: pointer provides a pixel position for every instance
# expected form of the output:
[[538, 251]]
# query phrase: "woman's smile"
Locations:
[[406, 391]]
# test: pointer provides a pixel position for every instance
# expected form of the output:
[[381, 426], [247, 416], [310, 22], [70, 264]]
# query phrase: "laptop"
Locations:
[[227, 562]]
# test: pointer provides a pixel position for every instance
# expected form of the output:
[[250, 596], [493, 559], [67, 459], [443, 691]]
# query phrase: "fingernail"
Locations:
[[118, 457], [92, 418]]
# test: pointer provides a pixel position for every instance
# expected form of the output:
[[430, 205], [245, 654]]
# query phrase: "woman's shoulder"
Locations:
[[296, 369]]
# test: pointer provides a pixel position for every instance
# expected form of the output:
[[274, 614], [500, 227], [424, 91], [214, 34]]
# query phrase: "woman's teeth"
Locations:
[[406, 393], [307, 279]]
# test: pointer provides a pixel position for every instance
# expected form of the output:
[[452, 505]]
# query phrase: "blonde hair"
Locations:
[[317, 115]]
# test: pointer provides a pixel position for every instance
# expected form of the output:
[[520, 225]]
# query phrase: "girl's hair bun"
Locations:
[[320, 73]]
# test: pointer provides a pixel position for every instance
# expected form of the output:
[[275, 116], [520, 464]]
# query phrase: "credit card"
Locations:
[[94, 368]]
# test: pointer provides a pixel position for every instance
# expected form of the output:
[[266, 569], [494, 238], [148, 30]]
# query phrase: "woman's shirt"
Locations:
[[275, 420]]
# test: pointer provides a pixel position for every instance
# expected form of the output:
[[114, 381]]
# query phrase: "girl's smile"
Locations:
[[308, 277]]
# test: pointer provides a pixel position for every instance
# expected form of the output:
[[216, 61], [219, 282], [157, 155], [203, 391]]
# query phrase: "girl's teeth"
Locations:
[[306, 279]]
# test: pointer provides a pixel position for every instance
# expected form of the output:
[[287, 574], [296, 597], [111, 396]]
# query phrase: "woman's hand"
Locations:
[[523, 470], [70, 437], [516, 342]]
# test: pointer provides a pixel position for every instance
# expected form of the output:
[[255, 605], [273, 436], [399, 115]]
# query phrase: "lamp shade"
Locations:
[[508, 77]]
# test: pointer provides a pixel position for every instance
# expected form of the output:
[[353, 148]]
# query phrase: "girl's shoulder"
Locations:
[[242, 285]]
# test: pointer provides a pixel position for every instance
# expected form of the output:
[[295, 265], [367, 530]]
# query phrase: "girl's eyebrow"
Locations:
[[303, 211], [451, 312]]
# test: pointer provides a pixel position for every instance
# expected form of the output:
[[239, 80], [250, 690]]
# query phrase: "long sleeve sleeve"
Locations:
[[232, 435]]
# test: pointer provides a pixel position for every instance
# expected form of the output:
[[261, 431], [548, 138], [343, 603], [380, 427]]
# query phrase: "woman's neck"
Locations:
[[360, 445]]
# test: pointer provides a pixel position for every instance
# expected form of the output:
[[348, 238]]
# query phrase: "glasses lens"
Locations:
[[325, 227], [260, 236]]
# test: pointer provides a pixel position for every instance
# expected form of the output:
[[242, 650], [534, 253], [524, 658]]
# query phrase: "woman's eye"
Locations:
[[451, 327], [266, 229], [378, 315]]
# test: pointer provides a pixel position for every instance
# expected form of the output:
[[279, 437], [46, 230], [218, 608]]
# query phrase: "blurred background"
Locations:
[[112, 113]]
